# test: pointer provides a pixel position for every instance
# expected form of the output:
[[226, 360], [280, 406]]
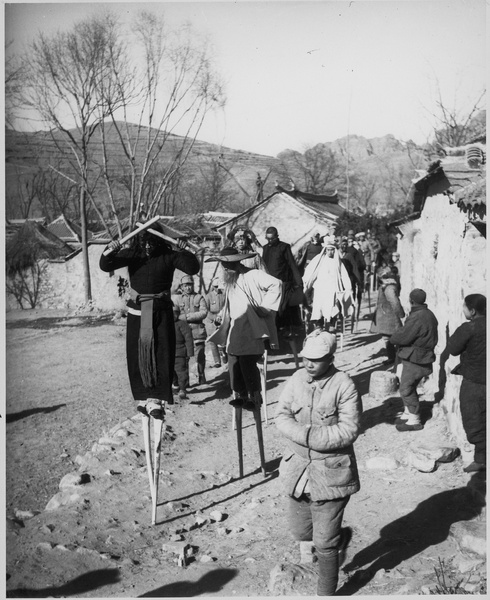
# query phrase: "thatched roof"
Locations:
[[32, 242]]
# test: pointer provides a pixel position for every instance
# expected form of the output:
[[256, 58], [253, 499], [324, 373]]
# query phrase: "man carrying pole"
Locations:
[[252, 299], [150, 333]]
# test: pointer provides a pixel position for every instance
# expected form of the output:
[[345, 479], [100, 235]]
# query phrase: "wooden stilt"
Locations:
[[145, 424], [263, 384], [260, 438], [157, 446], [238, 419]]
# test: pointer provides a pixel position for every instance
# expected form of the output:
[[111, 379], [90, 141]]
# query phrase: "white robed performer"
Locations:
[[329, 281]]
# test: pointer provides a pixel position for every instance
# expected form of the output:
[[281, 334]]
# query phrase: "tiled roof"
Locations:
[[327, 205], [67, 231]]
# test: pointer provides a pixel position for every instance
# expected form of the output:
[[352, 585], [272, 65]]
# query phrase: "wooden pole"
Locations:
[[238, 418], [157, 444], [140, 227], [260, 438]]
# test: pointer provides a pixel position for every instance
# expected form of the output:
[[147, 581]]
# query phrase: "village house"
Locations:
[[296, 215], [442, 247]]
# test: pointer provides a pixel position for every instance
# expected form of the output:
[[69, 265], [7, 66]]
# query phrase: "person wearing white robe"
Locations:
[[329, 281]]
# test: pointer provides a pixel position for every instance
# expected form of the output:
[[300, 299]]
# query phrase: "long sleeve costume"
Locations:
[[151, 276]]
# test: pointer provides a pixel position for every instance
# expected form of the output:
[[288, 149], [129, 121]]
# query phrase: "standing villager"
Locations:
[[193, 310], [252, 299], [354, 264], [308, 252], [319, 414], [150, 333], [389, 312], [184, 351], [215, 300], [280, 263], [416, 340], [470, 342], [332, 289]]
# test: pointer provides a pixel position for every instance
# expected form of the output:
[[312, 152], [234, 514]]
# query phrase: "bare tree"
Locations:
[[14, 81], [66, 74], [176, 91], [455, 125], [318, 170]]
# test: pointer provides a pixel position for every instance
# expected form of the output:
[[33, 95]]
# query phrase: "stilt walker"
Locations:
[[252, 299], [150, 338]]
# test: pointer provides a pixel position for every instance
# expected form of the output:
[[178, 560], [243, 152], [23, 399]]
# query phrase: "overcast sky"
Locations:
[[299, 73]]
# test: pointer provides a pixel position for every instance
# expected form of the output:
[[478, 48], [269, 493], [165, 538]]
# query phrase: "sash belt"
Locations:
[[146, 342]]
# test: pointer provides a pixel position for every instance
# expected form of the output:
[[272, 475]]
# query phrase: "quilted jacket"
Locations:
[[320, 418]]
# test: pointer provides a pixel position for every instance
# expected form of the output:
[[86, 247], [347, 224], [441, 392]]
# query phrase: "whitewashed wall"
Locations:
[[442, 253], [63, 284]]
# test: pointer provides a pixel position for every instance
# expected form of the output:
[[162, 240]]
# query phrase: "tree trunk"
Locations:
[[83, 224]]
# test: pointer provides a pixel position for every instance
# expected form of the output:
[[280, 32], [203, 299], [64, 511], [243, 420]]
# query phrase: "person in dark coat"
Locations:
[[355, 266], [280, 263], [150, 333], [416, 341], [389, 312], [470, 342], [184, 351]]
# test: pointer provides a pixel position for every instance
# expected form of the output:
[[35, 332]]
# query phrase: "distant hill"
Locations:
[[383, 164]]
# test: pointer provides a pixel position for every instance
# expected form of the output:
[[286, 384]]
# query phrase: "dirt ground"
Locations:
[[69, 410]]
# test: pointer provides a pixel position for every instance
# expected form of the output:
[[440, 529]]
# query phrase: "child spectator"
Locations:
[[319, 413], [184, 349], [470, 342]]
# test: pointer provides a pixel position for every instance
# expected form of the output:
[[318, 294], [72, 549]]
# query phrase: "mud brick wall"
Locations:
[[442, 253], [62, 284]]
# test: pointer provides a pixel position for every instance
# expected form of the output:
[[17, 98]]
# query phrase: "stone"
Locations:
[[286, 579], [176, 537], [200, 520], [222, 531], [62, 499], [109, 441], [420, 462], [206, 559], [47, 529], [175, 547], [73, 479], [23, 515], [250, 559], [386, 463], [443, 454], [217, 515], [45, 546], [465, 564], [470, 536], [237, 530]]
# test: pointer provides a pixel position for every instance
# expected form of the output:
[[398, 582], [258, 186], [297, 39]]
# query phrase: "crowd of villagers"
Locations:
[[263, 298]]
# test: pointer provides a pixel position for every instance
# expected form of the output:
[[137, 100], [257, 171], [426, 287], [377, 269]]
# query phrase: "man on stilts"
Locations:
[[150, 339], [150, 334]]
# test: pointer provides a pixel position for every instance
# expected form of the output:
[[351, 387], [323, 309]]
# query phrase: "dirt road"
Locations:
[[68, 411]]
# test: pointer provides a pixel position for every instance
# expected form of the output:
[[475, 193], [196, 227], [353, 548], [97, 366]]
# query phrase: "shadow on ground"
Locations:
[[80, 585], [410, 535], [11, 417], [214, 581]]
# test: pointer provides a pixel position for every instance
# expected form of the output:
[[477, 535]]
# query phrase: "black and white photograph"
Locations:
[[245, 298]]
